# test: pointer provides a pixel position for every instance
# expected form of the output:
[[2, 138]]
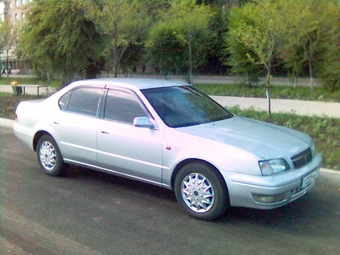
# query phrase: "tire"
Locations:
[[201, 191], [49, 156]]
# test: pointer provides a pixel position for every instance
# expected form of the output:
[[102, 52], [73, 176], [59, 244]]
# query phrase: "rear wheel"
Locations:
[[201, 191], [49, 156]]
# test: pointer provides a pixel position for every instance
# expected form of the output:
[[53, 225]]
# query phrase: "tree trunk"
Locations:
[[267, 91], [190, 63], [115, 51], [108, 64], [116, 68], [311, 75], [269, 111], [7, 64]]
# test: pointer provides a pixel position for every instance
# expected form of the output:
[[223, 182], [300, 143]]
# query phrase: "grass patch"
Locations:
[[277, 92], [9, 102], [28, 80], [324, 131]]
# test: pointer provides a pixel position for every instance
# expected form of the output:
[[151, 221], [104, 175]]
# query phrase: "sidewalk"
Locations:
[[309, 108]]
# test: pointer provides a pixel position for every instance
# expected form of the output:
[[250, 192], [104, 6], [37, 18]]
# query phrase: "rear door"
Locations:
[[124, 148], [77, 124]]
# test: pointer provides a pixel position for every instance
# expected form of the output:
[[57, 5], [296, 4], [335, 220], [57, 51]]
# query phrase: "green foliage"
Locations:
[[185, 25], [74, 38], [307, 31], [215, 47], [166, 51], [58, 38], [300, 35], [253, 36], [6, 34], [125, 23], [329, 65], [7, 38]]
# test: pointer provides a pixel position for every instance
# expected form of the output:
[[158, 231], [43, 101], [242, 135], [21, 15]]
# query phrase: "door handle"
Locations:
[[104, 132]]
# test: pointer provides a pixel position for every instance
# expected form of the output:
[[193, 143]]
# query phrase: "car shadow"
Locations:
[[85, 174], [303, 216]]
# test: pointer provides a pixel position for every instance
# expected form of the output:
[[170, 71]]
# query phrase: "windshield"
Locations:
[[184, 106]]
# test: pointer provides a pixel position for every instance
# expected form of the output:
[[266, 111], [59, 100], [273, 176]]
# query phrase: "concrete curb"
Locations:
[[329, 171], [6, 122]]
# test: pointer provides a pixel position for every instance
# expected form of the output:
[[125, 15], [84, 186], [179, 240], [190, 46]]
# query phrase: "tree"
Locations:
[[57, 38], [189, 24], [291, 52], [216, 46], [253, 34], [306, 33], [165, 49], [312, 32], [7, 40], [124, 22], [225, 4], [329, 65]]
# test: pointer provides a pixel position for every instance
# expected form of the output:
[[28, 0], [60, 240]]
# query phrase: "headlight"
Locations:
[[270, 167]]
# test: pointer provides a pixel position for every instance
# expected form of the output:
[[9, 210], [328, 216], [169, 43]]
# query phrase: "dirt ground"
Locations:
[[9, 102]]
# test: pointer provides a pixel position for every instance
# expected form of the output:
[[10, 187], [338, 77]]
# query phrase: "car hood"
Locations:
[[260, 138]]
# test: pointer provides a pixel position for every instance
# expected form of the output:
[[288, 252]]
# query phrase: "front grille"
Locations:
[[302, 158]]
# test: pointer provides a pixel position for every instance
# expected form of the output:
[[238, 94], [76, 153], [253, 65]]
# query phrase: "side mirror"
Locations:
[[144, 122]]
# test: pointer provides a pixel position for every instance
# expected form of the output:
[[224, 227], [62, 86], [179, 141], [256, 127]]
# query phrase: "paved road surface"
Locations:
[[87, 212]]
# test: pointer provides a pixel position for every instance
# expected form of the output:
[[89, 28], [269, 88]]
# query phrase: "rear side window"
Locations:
[[83, 101], [63, 101], [122, 106]]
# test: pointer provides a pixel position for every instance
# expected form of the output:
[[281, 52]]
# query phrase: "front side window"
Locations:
[[83, 101], [123, 106], [184, 106]]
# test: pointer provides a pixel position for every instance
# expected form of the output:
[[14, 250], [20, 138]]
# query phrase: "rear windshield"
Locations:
[[183, 106]]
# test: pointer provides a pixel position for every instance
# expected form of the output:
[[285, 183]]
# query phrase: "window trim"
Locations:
[[129, 91], [99, 105]]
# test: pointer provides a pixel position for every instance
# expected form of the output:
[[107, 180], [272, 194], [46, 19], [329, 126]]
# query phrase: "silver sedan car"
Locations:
[[169, 134]]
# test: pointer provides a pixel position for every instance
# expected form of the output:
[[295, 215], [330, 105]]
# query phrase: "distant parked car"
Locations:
[[172, 135]]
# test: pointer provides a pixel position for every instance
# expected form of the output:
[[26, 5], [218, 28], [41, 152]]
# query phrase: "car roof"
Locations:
[[139, 83]]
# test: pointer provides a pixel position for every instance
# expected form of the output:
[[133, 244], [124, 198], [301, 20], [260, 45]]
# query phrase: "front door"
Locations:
[[124, 148]]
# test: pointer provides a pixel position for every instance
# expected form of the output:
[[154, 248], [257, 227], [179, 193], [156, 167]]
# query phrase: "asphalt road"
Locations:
[[87, 212]]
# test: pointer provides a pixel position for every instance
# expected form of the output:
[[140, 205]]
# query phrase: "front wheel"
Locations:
[[49, 156], [201, 191]]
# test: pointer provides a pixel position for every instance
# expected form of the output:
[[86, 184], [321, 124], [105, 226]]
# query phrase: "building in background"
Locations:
[[14, 11]]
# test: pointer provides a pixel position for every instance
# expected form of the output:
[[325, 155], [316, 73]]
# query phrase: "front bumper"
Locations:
[[245, 190]]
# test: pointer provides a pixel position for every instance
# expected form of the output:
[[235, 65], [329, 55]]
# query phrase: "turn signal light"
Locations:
[[268, 199]]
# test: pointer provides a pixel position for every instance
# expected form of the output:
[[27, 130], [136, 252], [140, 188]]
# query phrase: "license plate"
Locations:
[[309, 179]]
